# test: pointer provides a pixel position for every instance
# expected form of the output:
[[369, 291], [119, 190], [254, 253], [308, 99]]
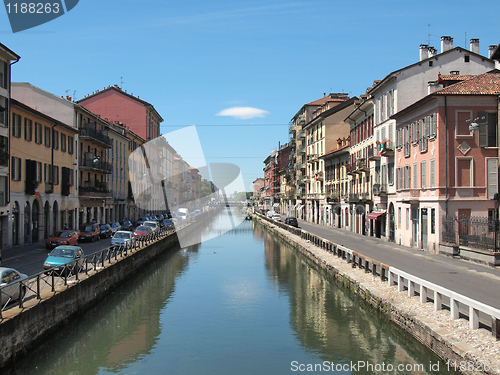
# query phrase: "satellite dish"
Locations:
[[473, 126]]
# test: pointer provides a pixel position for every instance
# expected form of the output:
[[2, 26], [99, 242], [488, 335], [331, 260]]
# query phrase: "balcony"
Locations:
[[354, 198], [387, 148], [333, 197], [95, 189], [301, 119], [363, 165], [319, 176], [292, 128], [301, 150], [379, 189], [94, 163], [312, 157], [372, 154], [301, 134], [89, 132]]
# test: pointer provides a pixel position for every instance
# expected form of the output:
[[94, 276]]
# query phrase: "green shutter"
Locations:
[[483, 129]]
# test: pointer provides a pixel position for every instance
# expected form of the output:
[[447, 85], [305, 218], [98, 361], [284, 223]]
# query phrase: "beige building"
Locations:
[[42, 185]]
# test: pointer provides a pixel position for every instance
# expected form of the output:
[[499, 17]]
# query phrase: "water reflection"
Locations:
[[328, 322], [242, 303]]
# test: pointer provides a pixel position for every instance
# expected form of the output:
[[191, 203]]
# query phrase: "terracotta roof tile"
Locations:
[[482, 84]]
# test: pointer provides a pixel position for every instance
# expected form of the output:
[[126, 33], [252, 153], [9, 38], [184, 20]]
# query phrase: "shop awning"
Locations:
[[374, 215], [276, 205]]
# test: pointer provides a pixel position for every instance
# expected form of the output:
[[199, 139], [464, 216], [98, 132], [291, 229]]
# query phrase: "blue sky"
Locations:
[[192, 60]]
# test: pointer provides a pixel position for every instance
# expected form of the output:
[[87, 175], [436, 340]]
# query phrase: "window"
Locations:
[[55, 174], [63, 142], [424, 131], [47, 136], [70, 145], [38, 133], [390, 173], [487, 129], [399, 178], [39, 172], [433, 220], [414, 132], [415, 174], [15, 171], [406, 177], [28, 129], [407, 141], [399, 217], [464, 172], [407, 219], [55, 139], [16, 125], [423, 174], [432, 168], [466, 58], [431, 63], [462, 122], [492, 176], [432, 120]]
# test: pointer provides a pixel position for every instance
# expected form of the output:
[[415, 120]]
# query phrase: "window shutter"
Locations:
[[5, 75], [423, 175], [492, 177], [415, 176], [432, 182], [483, 129]]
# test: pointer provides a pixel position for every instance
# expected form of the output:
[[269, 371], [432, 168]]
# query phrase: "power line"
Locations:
[[226, 125]]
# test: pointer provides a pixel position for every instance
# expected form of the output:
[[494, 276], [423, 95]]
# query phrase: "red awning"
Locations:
[[374, 215]]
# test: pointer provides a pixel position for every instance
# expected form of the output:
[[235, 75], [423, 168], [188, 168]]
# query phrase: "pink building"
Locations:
[[116, 105], [446, 161]]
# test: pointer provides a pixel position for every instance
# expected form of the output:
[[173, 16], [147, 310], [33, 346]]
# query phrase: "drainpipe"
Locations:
[[446, 151]]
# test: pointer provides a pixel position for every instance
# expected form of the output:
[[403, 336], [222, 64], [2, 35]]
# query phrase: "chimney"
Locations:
[[424, 51], [432, 52], [446, 43], [491, 49], [474, 45]]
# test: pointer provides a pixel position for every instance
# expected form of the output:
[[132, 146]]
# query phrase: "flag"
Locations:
[[37, 192]]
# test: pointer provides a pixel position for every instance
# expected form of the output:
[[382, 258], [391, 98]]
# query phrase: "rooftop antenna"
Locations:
[[428, 34], [74, 95], [121, 83]]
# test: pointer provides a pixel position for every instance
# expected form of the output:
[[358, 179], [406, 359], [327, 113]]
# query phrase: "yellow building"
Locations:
[[42, 178]]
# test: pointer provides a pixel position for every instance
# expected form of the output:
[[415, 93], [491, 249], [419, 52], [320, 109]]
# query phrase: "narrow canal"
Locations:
[[241, 303]]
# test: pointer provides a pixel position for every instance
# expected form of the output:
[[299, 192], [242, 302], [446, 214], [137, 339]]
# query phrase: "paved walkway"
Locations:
[[473, 280]]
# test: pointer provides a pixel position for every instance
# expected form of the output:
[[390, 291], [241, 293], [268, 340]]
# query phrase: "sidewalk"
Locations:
[[476, 281]]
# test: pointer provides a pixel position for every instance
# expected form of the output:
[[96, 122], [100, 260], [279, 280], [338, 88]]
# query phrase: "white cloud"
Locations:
[[243, 113]]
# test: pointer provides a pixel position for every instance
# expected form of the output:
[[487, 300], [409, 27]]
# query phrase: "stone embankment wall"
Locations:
[[22, 330], [461, 349]]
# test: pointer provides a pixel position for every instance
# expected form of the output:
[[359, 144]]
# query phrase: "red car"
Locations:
[[142, 230], [62, 237]]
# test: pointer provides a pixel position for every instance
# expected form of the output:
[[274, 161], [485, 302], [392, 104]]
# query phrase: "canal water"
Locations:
[[240, 303]]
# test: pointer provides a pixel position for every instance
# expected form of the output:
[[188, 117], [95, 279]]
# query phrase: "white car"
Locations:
[[276, 217], [153, 224]]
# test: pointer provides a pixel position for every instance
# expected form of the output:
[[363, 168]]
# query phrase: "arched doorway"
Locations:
[[34, 221], [64, 220], [71, 217], [15, 224], [46, 220], [27, 222], [392, 232], [55, 213]]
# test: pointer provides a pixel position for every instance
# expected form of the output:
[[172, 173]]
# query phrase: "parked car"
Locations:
[[115, 227], [122, 237], [127, 225], [62, 237], [9, 284], [167, 223], [153, 224], [276, 217], [141, 230], [105, 231], [292, 222], [62, 256], [89, 232]]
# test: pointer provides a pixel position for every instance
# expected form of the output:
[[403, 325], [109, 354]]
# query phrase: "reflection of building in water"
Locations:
[[128, 329], [325, 319]]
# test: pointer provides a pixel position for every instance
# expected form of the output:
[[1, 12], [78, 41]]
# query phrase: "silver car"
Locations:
[[11, 287], [122, 238]]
